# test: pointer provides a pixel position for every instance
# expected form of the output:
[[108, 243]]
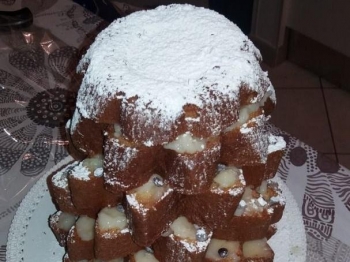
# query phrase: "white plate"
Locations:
[[31, 240]]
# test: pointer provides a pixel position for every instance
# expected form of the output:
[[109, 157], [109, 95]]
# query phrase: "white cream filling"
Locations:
[[256, 249], [265, 97], [250, 205], [144, 256], [244, 116], [117, 130], [186, 143], [111, 218], [65, 221], [245, 111], [227, 177], [150, 191], [182, 228], [263, 187], [93, 163], [233, 249], [85, 228]]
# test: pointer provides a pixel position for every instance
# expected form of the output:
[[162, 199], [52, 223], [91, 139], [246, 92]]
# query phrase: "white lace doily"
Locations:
[[31, 240]]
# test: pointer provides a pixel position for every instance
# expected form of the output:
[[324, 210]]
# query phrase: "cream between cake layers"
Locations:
[[171, 119]]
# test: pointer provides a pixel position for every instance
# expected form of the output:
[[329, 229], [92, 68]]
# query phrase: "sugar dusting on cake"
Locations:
[[80, 172], [276, 143], [140, 207], [143, 56], [60, 178]]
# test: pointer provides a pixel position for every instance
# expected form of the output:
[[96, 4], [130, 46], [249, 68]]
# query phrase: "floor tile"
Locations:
[[344, 160], [327, 84], [289, 75], [302, 113], [338, 103]]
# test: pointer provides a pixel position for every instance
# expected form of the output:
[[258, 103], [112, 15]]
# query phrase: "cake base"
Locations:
[[31, 239]]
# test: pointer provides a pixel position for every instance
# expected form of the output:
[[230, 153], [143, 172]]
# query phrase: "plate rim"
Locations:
[[16, 236]]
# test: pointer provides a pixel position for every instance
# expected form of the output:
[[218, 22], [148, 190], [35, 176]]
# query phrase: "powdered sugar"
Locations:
[[167, 58], [98, 172], [80, 172], [60, 178], [114, 233], [123, 157], [141, 208], [132, 201], [275, 143], [76, 118], [194, 246]]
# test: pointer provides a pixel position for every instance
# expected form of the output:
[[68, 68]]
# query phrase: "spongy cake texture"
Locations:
[[171, 119], [153, 64]]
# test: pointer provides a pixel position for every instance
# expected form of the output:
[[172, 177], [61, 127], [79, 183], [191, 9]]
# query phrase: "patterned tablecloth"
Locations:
[[37, 95]]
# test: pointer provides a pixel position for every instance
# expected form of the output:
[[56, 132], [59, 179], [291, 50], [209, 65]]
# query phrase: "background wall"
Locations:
[[326, 21]]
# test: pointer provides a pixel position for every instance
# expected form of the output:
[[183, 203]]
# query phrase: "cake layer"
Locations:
[[158, 86], [60, 224], [86, 135], [127, 164], [112, 236], [150, 209], [184, 242], [86, 184], [217, 205], [60, 191]]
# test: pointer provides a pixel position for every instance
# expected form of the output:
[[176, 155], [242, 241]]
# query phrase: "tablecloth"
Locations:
[[37, 95]]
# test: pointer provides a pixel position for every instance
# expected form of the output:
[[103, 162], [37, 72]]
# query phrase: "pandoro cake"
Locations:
[[171, 118]]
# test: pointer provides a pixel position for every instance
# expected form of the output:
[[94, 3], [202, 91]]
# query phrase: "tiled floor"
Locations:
[[313, 110]]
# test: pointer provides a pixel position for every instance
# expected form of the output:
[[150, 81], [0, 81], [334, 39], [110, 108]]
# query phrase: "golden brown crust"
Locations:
[[61, 196], [89, 196], [245, 228], [212, 208], [271, 231], [278, 209], [172, 249], [113, 244], [78, 249], [217, 113], [269, 106], [243, 148], [192, 173], [255, 174], [127, 165], [60, 234], [87, 137], [147, 222], [272, 163], [111, 111], [246, 95]]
